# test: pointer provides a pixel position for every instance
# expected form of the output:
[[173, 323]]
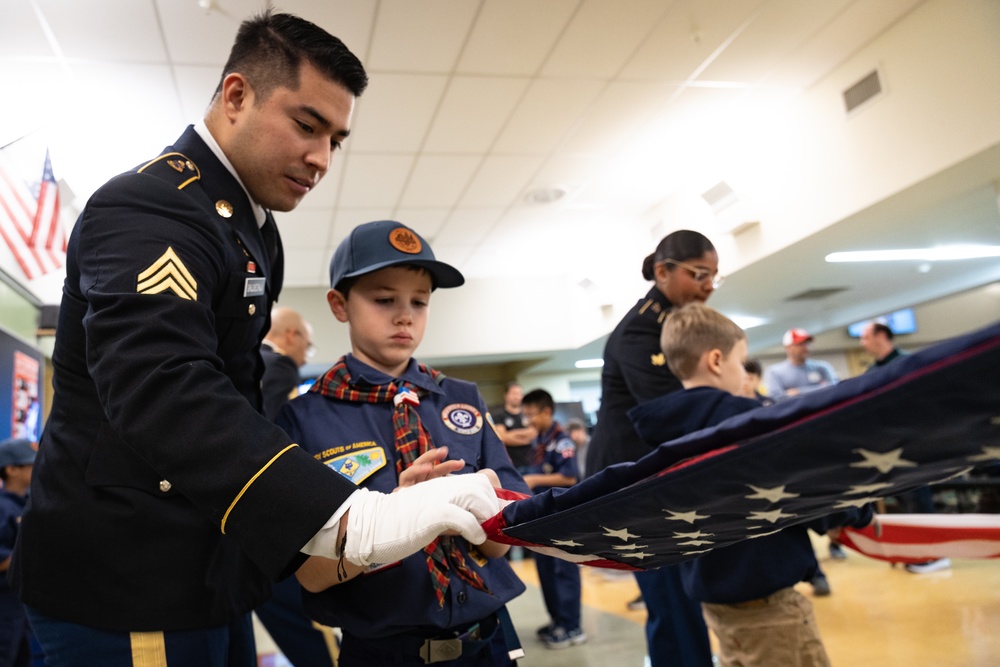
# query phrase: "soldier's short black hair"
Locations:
[[680, 246], [270, 48]]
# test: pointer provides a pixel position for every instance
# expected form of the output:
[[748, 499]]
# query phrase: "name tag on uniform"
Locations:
[[254, 286]]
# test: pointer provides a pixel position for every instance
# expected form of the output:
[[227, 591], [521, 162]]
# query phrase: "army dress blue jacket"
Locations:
[[162, 499], [635, 370], [357, 439]]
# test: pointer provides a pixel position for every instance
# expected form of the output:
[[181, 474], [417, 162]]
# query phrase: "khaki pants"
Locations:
[[777, 630]]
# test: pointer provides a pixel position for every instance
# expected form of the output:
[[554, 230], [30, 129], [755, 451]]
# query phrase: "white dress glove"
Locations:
[[384, 528]]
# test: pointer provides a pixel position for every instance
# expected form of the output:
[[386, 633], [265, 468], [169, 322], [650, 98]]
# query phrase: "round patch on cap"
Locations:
[[462, 418], [403, 240]]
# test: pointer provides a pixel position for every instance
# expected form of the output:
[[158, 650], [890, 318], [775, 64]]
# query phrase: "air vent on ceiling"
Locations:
[[719, 196], [732, 215], [816, 294], [864, 90]]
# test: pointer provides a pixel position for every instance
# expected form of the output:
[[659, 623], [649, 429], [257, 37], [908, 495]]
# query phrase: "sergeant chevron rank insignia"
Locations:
[[168, 274]]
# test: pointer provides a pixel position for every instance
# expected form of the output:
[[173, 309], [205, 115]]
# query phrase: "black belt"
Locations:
[[465, 643]]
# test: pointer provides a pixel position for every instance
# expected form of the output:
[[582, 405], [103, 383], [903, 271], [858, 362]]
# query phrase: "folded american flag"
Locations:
[[918, 538], [923, 418]]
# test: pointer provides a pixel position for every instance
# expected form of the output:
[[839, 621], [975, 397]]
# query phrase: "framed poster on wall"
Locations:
[[21, 373]]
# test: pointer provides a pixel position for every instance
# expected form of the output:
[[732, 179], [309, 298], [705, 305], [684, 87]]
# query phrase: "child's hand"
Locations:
[[429, 465], [492, 476]]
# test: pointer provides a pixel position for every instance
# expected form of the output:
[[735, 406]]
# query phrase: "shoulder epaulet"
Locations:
[[652, 309], [175, 168]]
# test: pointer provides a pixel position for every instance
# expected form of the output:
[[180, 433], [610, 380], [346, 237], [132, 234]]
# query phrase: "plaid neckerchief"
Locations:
[[543, 440], [412, 440]]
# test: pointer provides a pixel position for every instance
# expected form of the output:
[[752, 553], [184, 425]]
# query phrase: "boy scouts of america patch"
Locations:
[[404, 240], [168, 274], [357, 466], [462, 418]]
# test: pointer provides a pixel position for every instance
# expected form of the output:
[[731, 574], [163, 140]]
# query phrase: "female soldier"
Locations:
[[684, 268]]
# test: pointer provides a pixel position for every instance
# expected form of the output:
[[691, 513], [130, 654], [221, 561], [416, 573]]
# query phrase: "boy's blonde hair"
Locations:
[[692, 330]]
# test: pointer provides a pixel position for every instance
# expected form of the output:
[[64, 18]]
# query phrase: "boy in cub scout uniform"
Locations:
[[383, 421], [162, 501]]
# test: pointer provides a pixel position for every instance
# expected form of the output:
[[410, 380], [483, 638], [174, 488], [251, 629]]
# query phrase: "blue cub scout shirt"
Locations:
[[357, 440]]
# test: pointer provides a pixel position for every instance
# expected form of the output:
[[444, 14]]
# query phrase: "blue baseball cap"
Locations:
[[378, 245], [17, 452]]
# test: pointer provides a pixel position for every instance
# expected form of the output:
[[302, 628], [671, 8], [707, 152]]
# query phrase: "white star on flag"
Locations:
[[771, 495], [771, 516], [621, 534], [690, 517], [989, 454], [883, 462]]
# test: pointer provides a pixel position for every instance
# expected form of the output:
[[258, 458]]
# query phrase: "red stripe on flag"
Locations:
[[918, 538], [15, 247]]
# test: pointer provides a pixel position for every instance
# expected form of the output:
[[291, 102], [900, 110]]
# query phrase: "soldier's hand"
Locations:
[[384, 528]]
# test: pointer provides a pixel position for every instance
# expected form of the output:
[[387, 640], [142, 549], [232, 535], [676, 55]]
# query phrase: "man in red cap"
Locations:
[[797, 374]]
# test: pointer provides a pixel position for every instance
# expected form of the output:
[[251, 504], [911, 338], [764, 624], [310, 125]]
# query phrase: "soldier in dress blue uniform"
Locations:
[[684, 269], [383, 420], [162, 500]]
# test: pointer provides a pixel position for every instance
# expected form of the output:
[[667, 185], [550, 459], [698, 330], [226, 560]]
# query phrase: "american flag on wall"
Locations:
[[923, 418], [30, 223]]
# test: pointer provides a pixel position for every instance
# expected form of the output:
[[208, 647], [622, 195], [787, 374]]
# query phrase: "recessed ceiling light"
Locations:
[[589, 363], [748, 321], [938, 254], [545, 195]]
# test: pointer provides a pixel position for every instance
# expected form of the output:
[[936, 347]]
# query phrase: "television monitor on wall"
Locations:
[[901, 322]]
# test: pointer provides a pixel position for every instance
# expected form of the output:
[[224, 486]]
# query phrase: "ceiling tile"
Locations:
[[619, 27], [456, 255], [848, 31], [374, 180], [196, 85], [303, 229], [438, 181], [21, 35], [771, 36], [349, 20], [424, 36], [196, 37], [686, 38], [115, 30], [426, 221], [473, 111], [394, 113], [40, 88], [514, 37], [346, 219], [109, 89], [467, 226], [548, 111], [500, 180], [571, 170], [325, 194], [306, 267], [617, 116]]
